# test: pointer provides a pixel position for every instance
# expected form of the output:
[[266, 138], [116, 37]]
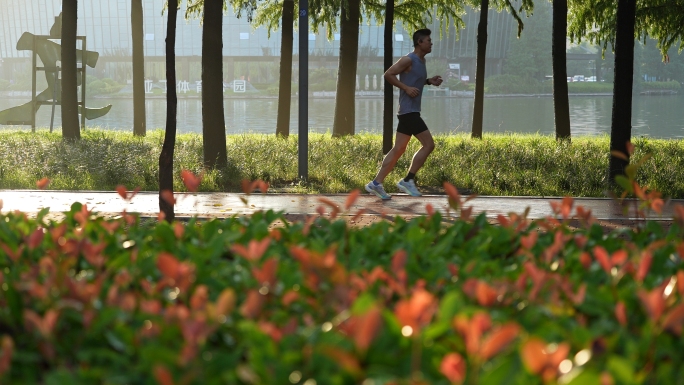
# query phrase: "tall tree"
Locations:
[[166, 155], [70, 124], [345, 112], [139, 128], [621, 118], [603, 22], [213, 120], [387, 108], [274, 14], [561, 106], [412, 13], [285, 79], [478, 106]]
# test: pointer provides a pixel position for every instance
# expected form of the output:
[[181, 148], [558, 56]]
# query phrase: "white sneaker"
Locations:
[[378, 190], [409, 188]]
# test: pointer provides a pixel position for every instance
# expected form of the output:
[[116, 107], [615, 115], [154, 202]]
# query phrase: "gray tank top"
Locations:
[[414, 78]]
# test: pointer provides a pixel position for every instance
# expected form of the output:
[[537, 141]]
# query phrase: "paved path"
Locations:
[[212, 205]]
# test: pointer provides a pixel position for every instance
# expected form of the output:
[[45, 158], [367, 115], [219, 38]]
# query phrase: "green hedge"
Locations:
[[511, 84], [102, 86], [590, 88], [528, 165], [258, 300], [671, 85]]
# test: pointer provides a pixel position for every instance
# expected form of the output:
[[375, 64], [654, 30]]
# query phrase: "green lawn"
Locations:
[[527, 165]]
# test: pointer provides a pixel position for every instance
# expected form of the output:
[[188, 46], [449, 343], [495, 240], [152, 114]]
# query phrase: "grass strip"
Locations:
[[499, 164]]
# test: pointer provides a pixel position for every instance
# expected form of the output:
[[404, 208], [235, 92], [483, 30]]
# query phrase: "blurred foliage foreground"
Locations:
[[87, 300], [525, 165]]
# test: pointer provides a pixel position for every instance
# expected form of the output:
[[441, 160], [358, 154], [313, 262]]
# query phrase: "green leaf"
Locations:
[[435, 330], [506, 370], [363, 303], [449, 305], [42, 213], [622, 369], [584, 377], [631, 171], [115, 342], [625, 183]]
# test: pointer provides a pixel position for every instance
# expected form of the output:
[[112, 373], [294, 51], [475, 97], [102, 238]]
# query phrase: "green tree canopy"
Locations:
[[530, 54], [595, 20]]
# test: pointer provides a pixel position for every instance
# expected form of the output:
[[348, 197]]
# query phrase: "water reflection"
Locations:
[[654, 116]]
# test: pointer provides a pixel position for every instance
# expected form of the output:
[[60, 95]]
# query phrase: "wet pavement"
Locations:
[[218, 205]]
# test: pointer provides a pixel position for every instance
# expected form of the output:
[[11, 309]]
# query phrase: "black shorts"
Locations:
[[411, 124]]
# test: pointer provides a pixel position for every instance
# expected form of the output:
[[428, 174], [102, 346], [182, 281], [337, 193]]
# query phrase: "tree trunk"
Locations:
[[478, 108], [621, 125], [213, 121], [343, 123], [285, 80], [561, 105], [387, 109], [70, 124], [139, 128], [166, 156]]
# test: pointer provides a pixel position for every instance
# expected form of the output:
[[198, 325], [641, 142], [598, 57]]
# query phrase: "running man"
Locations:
[[412, 77]]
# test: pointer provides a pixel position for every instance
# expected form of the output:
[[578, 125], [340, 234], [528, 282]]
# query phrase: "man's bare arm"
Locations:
[[400, 66]]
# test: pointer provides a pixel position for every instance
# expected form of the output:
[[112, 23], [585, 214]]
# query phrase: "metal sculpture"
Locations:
[[49, 53]]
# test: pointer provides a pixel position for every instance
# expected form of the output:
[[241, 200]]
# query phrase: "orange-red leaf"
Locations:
[[619, 257], [621, 313], [453, 367], [498, 339], [585, 260], [167, 196], [121, 190], [619, 155], [225, 302], [251, 308], [191, 180], [653, 302], [528, 241], [398, 261], [178, 230], [43, 183], [6, 352], [168, 265], [674, 320], [162, 375], [485, 294], [199, 298], [533, 355], [36, 238], [429, 209], [566, 207], [602, 257], [346, 360], [451, 191], [680, 282], [254, 250], [266, 275], [417, 310], [367, 328], [644, 266], [353, 196], [630, 148]]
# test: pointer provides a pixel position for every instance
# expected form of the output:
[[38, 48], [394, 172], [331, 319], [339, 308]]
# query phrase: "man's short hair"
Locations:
[[419, 35]]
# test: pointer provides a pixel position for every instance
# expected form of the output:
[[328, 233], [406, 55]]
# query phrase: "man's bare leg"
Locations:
[[419, 158], [393, 156]]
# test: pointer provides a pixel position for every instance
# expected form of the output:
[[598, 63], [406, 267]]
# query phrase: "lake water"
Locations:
[[653, 116]]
